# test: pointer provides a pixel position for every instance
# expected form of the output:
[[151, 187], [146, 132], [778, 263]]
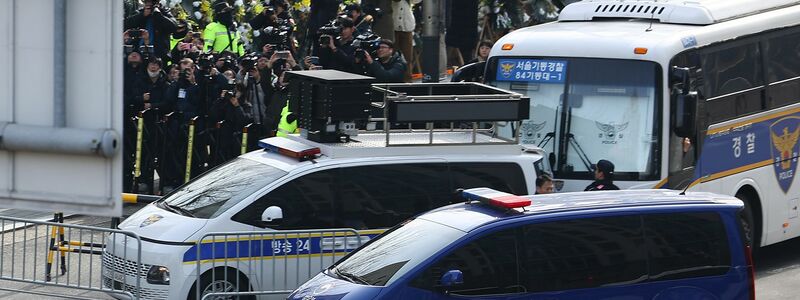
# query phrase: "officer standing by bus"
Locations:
[[603, 177]]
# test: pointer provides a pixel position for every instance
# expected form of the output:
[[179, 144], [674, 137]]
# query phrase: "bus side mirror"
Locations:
[[679, 77], [272, 214], [683, 114], [684, 102]]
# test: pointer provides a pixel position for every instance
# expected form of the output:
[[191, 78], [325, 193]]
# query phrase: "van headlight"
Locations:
[[158, 275]]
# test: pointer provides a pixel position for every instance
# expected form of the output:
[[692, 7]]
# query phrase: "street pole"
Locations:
[[430, 41]]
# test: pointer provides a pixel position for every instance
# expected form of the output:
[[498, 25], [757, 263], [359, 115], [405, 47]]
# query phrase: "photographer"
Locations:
[[363, 21], [230, 115], [159, 24], [187, 47], [337, 54], [274, 26], [221, 34], [389, 65]]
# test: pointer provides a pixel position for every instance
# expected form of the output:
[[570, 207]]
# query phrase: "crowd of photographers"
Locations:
[[197, 97]]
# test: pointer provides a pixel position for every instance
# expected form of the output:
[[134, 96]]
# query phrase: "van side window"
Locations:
[[506, 177], [489, 265], [674, 254], [381, 196], [307, 203], [582, 253]]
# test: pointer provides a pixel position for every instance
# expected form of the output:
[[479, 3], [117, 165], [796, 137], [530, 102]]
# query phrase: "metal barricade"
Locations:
[[84, 270], [266, 263]]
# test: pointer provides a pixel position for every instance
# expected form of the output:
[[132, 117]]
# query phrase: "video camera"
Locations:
[[330, 30], [366, 43], [249, 62], [276, 35]]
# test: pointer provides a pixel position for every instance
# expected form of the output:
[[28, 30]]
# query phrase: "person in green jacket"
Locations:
[[288, 124], [221, 34]]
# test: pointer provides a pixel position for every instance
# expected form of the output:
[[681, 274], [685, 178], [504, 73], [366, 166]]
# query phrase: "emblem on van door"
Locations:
[[150, 220], [610, 132], [784, 134]]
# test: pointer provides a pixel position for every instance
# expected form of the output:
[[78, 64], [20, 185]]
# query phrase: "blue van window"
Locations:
[[582, 253], [489, 266], [686, 245]]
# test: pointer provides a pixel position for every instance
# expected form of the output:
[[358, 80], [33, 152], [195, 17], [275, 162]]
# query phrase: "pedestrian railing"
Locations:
[[57, 259]]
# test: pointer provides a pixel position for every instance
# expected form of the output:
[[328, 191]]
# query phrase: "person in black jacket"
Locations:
[[158, 22], [603, 177], [338, 53], [389, 67]]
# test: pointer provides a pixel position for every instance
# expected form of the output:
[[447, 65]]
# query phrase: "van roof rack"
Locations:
[[335, 107]]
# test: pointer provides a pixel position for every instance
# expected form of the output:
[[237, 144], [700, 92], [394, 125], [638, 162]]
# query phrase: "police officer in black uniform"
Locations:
[[603, 177]]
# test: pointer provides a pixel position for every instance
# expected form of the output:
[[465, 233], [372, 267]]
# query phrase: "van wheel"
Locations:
[[222, 281], [749, 226]]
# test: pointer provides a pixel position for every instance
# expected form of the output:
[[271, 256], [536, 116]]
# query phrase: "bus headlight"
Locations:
[[158, 275]]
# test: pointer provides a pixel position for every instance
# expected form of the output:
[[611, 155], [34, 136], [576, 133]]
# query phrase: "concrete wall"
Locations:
[[44, 181]]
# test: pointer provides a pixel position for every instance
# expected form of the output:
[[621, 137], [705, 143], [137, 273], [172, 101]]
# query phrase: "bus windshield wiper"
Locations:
[[349, 276]]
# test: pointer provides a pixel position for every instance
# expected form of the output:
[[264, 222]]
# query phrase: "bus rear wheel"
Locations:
[[749, 227]]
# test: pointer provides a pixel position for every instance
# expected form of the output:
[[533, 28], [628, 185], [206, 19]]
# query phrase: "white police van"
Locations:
[[366, 182]]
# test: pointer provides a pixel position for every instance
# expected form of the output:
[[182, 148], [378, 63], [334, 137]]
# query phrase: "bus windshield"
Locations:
[[587, 109]]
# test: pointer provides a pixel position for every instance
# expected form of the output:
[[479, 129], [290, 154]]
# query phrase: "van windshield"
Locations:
[[214, 192], [394, 253]]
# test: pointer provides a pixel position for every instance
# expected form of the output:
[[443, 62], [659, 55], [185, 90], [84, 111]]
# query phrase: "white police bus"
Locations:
[[677, 94]]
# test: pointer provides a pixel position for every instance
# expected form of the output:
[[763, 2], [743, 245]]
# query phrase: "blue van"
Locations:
[[639, 244]]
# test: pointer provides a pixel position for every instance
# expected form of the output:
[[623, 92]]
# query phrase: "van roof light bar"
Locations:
[[290, 148], [495, 198]]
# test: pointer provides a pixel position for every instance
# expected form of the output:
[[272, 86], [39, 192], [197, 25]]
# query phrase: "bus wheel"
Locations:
[[222, 281], [751, 234]]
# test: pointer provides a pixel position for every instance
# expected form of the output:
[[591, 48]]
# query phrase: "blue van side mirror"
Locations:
[[452, 278]]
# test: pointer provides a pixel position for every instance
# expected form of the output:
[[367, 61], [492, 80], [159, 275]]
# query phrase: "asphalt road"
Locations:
[[778, 271]]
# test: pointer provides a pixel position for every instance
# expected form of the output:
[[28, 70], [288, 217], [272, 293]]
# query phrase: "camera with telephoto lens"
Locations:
[[366, 43]]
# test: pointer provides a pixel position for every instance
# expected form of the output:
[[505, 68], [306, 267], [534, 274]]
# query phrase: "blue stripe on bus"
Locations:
[[765, 140], [272, 246]]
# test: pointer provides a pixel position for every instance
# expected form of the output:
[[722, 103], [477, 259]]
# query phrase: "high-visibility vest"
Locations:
[[284, 127], [216, 38]]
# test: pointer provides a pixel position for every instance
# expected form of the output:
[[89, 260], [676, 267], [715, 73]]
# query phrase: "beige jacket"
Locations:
[[402, 15]]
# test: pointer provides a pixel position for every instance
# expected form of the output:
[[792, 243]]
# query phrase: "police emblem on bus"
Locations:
[[507, 67], [610, 132], [530, 128], [784, 134]]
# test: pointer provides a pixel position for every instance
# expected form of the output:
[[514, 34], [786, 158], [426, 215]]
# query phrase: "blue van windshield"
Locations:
[[396, 252], [214, 192]]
